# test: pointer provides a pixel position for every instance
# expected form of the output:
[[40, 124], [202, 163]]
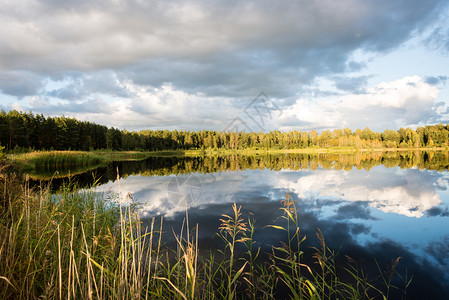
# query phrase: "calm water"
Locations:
[[371, 207]]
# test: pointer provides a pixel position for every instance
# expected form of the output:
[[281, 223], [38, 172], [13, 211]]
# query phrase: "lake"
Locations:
[[372, 207]]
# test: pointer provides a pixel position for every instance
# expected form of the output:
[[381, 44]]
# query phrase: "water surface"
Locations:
[[371, 207]]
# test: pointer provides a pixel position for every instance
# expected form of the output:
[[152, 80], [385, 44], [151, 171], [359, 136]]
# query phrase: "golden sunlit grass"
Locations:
[[54, 160]]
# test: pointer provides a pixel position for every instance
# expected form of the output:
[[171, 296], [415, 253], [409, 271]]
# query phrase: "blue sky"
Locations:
[[197, 64]]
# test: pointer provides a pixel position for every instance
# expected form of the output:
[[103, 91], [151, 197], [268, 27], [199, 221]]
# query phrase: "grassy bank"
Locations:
[[52, 160], [56, 159], [83, 245]]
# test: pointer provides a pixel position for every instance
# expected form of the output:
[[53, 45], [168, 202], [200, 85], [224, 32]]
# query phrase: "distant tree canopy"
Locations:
[[28, 131]]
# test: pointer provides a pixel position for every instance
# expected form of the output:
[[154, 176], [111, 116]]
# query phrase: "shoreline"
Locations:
[[65, 159], [138, 155]]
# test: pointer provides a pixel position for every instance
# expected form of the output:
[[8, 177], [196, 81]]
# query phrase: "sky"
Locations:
[[228, 64]]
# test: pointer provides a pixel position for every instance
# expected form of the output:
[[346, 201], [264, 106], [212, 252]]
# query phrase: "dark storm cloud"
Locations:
[[81, 86], [226, 48], [437, 211], [227, 75], [20, 83], [357, 229], [439, 250], [356, 210], [439, 38], [351, 84], [435, 80], [90, 105]]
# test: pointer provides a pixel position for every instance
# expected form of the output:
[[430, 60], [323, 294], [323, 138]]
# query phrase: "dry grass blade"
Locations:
[[7, 280], [174, 286]]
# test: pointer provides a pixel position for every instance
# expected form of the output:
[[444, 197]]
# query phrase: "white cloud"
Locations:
[[121, 103], [155, 195], [406, 192], [404, 102], [143, 107], [394, 192]]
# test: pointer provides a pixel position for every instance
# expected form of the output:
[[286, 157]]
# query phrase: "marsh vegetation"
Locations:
[[79, 244]]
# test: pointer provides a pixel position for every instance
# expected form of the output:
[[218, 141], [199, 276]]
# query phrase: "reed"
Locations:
[[79, 244], [57, 159], [64, 160]]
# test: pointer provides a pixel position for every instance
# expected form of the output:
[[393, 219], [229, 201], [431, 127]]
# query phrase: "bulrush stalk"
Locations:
[[232, 231]]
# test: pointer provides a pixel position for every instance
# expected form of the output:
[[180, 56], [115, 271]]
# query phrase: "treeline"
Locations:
[[36, 132]]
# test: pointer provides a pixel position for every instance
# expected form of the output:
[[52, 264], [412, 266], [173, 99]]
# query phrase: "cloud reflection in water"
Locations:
[[402, 211]]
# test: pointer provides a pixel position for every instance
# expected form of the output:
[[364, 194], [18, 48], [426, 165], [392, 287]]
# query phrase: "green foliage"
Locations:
[[54, 160], [29, 131], [46, 240], [2, 152]]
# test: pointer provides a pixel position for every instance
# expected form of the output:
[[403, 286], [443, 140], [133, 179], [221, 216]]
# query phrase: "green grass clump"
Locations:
[[79, 244], [67, 162], [57, 159], [48, 241]]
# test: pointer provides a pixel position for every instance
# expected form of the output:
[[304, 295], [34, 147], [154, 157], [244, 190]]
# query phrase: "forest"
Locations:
[[24, 132]]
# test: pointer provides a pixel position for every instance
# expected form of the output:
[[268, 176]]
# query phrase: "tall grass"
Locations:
[[61, 160], [57, 159], [78, 244]]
